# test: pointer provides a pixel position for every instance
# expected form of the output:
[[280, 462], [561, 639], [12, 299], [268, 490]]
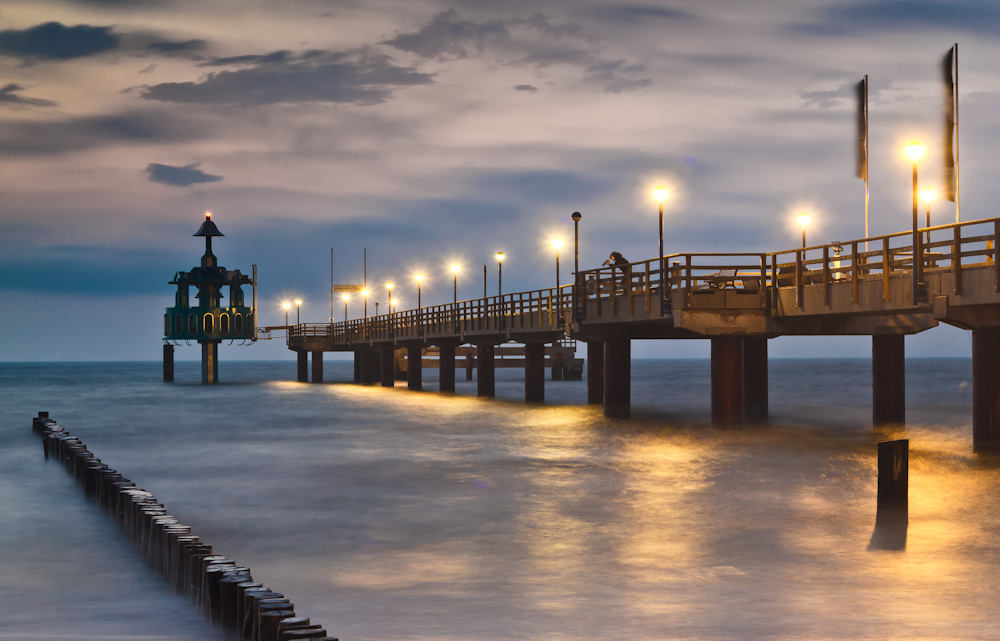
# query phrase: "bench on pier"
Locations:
[[727, 279]]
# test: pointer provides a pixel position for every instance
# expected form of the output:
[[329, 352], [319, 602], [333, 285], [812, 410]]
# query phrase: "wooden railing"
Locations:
[[952, 247]]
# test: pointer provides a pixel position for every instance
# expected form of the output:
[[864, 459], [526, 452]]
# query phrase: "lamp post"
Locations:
[[392, 304], [915, 151], [557, 244], [345, 298], [500, 257], [420, 329], [298, 308], [804, 220], [454, 270], [927, 195], [389, 287], [286, 305], [576, 263], [661, 193]]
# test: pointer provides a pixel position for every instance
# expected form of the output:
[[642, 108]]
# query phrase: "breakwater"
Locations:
[[219, 587]]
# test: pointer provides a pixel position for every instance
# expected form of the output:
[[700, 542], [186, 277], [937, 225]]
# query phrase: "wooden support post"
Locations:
[[302, 371], [893, 483], [618, 378], [317, 367], [470, 362], [595, 372], [888, 379], [755, 377], [558, 367], [209, 362], [375, 365], [388, 367], [534, 372], [168, 363], [446, 367], [727, 380], [985, 390], [414, 368], [357, 366], [485, 379]]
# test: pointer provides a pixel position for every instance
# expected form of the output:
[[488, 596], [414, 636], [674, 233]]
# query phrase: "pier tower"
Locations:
[[210, 321]]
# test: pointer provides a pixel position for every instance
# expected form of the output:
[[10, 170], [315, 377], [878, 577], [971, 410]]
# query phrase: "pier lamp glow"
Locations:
[[660, 194], [499, 256], [364, 294], [298, 308], [557, 244], [577, 216], [392, 304], [915, 151], [286, 305], [804, 220], [420, 279], [345, 298], [389, 285]]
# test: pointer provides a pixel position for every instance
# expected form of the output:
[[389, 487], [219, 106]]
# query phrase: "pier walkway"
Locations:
[[885, 287]]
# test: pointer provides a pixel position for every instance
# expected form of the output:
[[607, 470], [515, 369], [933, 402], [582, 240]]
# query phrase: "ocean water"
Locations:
[[388, 514]]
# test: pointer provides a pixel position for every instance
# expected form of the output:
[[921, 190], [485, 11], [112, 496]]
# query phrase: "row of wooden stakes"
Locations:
[[224, 591]]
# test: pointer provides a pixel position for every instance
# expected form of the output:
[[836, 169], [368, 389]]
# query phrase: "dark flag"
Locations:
[[861, 91], [948, 147]]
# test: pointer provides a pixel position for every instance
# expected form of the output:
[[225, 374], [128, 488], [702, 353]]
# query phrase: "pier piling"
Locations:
[[618, 378], [486, 372], [888, 379], [168, 363], [727, 380], [446, 367], [985, 390], [534, 372], [595, 372], [414, 368]]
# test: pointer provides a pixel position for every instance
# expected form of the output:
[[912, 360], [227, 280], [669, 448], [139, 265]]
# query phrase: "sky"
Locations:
[[433, 132]]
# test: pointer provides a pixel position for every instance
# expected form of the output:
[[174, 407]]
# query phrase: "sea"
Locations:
[[388, 514]]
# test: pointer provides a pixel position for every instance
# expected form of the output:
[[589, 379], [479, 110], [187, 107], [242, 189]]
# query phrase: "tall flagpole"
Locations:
[[866, 162], [955, 93]]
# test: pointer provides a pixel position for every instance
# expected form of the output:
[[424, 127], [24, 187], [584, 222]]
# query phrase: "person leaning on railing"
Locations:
[[617, 261]]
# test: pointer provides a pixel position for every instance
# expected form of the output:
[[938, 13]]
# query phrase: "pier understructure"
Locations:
[[886, 287]]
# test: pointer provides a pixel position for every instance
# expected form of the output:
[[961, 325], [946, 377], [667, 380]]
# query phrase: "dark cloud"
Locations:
[[32, 137], [55, 41], [365, 79], [179, 176], [8, 97], [89, 270], [179, 48], [528, 88], [852, 18], [447, 37], [273, 57], [533, 41]]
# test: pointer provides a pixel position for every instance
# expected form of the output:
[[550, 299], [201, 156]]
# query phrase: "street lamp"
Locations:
[[364, 293], [927, 194], [392, 304], [345, 298], [576, 261], [660, 194], [557, 244], [389, 286], [420, 329], [298, 307], [500, 257], [915, 151], [804, 220], [286, 305], [454, 270]]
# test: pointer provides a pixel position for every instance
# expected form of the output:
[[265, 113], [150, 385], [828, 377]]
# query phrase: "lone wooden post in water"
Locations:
[[893, 483]]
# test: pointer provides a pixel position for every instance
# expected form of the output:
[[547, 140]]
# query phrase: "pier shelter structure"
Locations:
[[210, 321], [886, 287]]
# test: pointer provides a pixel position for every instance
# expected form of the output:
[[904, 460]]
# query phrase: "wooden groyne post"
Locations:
[[219, 587]]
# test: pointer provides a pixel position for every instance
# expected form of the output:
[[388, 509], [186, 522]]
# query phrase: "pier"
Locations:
[[886, 287]]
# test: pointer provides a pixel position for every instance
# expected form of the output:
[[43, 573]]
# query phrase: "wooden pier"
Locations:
[[886, 287]]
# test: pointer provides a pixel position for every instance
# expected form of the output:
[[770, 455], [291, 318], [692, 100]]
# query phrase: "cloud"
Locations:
[[282, 56], [8, 97], [534, 41], [528, 88], [364, 78], [55, 41], [34, 137], [852, 18], [179, 176], [177, 48], [638, 13]]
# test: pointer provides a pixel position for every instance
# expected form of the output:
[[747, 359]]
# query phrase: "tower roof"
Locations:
[[208, 228]]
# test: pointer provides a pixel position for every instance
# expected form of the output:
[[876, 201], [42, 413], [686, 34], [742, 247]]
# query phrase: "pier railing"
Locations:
[[641, 291]]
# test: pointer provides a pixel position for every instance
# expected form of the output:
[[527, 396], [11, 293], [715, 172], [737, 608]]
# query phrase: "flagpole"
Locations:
[[867, 169], [955, 93]]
